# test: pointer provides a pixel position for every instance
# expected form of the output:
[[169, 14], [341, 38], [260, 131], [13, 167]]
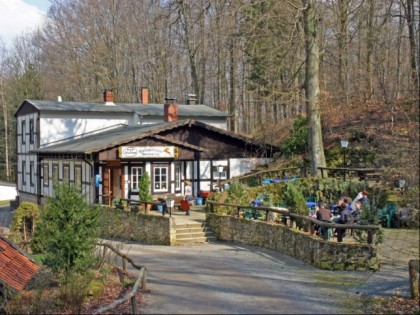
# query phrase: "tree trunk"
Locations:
[[316, 147]]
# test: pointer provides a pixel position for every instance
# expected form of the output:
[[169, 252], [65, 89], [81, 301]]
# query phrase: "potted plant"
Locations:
[[144, 192]]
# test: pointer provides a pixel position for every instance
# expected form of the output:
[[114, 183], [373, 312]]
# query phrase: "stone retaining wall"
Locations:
[[310, 249], [138, 227]]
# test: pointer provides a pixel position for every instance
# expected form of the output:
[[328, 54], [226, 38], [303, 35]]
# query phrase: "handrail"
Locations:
[[294, 216], [260, 173], [133, 201], [140, 282]]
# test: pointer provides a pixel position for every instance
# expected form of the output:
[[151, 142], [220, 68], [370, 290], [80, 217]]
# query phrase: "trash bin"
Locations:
[[199, 201]]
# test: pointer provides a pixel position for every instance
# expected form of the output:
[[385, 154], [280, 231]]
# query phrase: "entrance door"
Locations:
[[116, 182], [111, 184]]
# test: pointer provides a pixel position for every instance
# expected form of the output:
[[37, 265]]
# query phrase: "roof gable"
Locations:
[[16, 267], [126, 134]]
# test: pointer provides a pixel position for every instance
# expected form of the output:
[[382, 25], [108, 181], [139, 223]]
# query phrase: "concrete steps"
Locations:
[[187, 233]]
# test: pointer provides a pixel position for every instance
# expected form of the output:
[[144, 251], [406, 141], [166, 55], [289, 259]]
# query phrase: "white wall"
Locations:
[[56, 127], [242, 166], [7, 192]]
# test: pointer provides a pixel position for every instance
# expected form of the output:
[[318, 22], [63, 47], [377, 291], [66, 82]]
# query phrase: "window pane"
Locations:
[[66, 174], [78, 176], [46, 175], [161, 178], [136, 173], [23, 172], [31, 131], [23, 132]]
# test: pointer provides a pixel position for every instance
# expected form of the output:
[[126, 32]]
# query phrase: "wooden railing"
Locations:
[[140, 282], [361, 173], [126, 204], [289, 219]]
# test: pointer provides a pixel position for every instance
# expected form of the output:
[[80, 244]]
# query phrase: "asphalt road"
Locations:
[[232, 278]]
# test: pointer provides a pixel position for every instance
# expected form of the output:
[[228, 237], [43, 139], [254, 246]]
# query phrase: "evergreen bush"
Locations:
[[67, 232], [24, 223]]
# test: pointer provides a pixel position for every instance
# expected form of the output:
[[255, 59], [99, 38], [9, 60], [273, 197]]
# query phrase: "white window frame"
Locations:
[[46, 175], [23, 172], [78, 177], [216, 173], [31, 173], [23, 134], [31, 131], [159, 184], [136, 174], [66, 174]]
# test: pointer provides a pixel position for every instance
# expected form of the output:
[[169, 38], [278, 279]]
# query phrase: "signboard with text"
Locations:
[[148, 152]]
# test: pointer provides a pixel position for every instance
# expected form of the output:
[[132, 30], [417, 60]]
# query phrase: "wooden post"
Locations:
[[413, 270], [239, 210], [340, 235], [211, 208], [124, 264], [369, 236], [133, 305]]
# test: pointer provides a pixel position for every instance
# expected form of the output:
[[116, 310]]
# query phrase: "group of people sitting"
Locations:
[[343, 213]]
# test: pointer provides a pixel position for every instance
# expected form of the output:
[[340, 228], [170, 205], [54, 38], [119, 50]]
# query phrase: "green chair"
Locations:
[[387, 214]]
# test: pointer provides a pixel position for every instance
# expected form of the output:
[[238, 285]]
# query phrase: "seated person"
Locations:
[[356, 213], [323, 214]]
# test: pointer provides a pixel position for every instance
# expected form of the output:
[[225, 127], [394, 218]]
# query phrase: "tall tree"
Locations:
[[316, 145]]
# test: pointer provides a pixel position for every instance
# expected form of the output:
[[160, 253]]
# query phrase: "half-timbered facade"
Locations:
[[105, 148]]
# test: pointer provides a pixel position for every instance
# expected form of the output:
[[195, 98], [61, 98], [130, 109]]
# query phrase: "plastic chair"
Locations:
[[387, 213]]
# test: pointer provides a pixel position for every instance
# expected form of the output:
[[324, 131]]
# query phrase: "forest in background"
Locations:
[[243, 57]]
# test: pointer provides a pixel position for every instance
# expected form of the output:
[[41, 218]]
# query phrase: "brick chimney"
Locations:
[[144, 95], [170, 110], [108, 97]]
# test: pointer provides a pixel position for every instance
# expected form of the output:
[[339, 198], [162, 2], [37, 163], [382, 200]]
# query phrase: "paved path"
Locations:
[[232, 278]]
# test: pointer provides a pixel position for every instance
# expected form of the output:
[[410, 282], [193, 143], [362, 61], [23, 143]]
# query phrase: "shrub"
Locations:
[[144, 188], [24, 223], [67, 231]]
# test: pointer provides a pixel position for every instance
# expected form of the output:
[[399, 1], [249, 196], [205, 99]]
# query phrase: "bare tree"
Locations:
[[316, 146]]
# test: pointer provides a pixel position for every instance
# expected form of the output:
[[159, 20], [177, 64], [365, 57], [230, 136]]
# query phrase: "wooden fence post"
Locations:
[[413, 269], [133, 305], [340, 235], [369, 236]]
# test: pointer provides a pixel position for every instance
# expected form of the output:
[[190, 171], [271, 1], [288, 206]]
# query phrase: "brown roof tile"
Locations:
[[16, 267]]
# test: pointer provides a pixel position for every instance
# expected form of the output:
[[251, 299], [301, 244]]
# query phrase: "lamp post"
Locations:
[[344, 144], [220, 170], [169, 205]]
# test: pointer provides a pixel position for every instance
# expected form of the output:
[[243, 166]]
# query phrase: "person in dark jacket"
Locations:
[[323, 214]]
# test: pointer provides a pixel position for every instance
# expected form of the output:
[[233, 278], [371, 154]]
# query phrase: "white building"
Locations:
[[104, 148]]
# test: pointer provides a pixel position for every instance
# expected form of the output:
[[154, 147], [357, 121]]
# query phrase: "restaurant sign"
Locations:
[[148, 152]]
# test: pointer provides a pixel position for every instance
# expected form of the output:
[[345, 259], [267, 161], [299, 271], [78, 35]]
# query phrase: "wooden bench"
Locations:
[[162, 198]]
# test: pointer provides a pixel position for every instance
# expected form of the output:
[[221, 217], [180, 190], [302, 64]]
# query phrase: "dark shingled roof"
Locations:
[[142, 109], [124, 134]]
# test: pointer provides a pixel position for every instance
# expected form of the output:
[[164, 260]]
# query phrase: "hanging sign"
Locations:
[[148, 152]]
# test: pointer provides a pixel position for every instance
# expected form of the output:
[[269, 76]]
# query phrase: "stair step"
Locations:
[[190, 225], [195, 240], [193, 235], [196, 229]]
